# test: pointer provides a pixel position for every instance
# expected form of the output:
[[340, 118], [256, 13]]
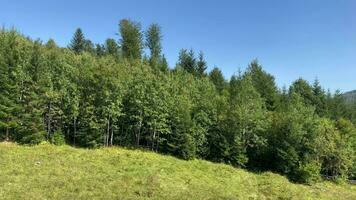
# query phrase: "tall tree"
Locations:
[[99, 50], [246, 120], [264, 83], [153, 42], [78, 43], [187, 61], [319, 100], [111, 47], [201, 65], [131, 39], [303, 89], [89, 46], [10, 61], [218, 79]]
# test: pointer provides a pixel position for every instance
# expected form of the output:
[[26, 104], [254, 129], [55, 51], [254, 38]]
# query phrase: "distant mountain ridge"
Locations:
[[350, 96]]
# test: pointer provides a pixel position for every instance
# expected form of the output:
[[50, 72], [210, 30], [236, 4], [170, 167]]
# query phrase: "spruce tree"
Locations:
[[319, 99], [201, 65], [187, 61], [264, 83], [218, 79], [78, 43], [131, 39], [153, 41], [111, 47], [99, 50]]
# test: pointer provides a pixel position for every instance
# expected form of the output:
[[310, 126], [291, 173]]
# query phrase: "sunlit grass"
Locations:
[[63, 172]]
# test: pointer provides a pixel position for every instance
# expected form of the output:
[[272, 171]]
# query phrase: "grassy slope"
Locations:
[[50, 172]]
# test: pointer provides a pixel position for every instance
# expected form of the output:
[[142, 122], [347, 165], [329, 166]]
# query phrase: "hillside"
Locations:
[[51, 172], [350, 96]]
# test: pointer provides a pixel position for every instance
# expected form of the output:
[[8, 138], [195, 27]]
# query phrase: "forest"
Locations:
[[124, 93]]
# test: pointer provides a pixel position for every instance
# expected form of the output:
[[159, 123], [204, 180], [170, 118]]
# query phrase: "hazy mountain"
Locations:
[[350, 96]]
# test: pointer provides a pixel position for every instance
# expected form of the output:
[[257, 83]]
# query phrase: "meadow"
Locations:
[[62, 172]]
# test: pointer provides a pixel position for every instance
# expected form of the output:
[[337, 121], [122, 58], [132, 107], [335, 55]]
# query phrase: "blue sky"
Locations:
[[291, 39]]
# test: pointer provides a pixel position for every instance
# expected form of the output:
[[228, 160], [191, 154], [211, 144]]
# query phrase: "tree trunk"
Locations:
[[139, 134], [107, 134], [75, 129], [112, 135], [7, 134], [153, 137], [157, 144], [49, 122]]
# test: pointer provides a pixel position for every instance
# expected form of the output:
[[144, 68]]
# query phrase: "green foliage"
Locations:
[[191, 64], [246, 120], [112, 48], [78, 43], [264, 84], [218, 79], [153, 41], [187, 60], [109, 95], [201, 65], [61, 172], [309, 172], [131, 39], [303, 89], [58, 138]]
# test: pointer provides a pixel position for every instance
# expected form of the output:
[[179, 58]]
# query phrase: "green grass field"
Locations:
[[62, 172]]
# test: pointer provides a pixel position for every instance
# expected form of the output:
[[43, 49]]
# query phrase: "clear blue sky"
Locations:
[[291, 39]]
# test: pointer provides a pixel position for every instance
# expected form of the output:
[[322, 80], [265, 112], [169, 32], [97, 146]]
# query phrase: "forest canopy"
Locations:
[[95, 95]]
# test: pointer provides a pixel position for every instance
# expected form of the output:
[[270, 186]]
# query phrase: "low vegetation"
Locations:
[[62, 172]]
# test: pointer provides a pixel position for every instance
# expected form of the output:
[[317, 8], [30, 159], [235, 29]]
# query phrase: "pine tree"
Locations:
[[319, 100], [99, 50], [78, 43], [51, 44], [111, 47], [201, 65], [302, 88], [264, 83], [153, 42], [187, 61], [246, 120], [218, 79], [31, 130], [131, 39], [9, 84], [89, 46], [164, 64]]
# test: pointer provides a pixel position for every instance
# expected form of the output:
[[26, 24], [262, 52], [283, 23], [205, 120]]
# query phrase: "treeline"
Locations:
[[93, 95]]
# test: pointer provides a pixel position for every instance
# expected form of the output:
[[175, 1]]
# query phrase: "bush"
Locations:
[[309, 173], [58, 138]]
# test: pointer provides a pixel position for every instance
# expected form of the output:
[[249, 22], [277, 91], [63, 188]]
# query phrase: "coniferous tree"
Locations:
[[111, 47], [319, 100], [51, 44], [99, 50], [201, 65], [264, 83], [187, 61], [303, 89], [10, 62], [164, 64], [218, 79], [89, 46], [78, 43], [246, 120], [153, 42], [131, 39]]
